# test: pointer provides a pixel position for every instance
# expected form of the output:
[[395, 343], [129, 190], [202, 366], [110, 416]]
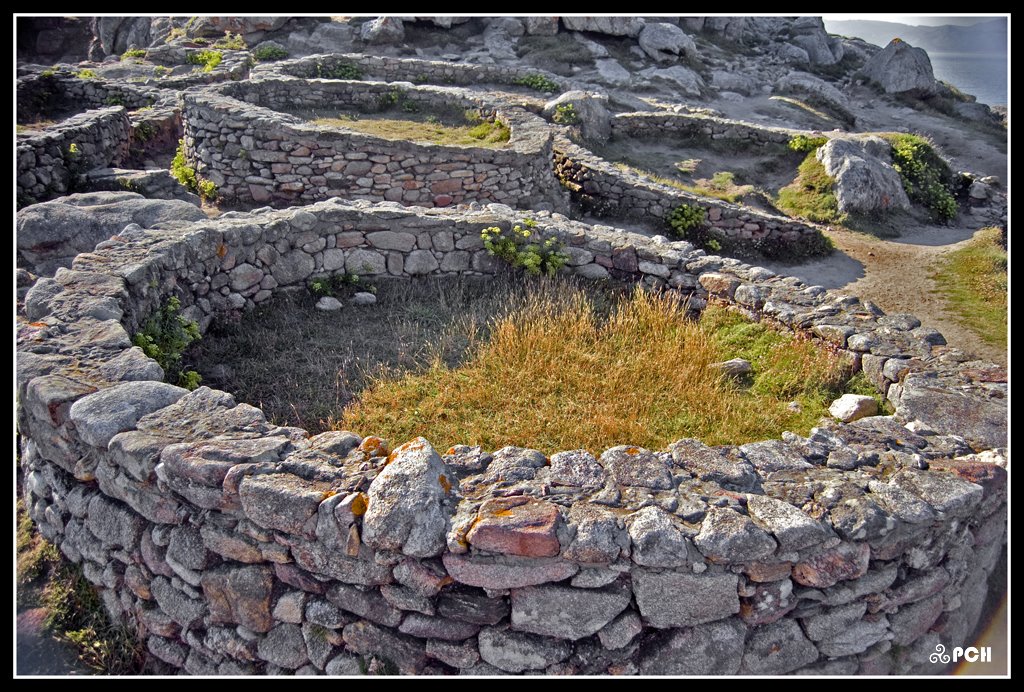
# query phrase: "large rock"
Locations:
[[792, 528], [946, 406], [383, 30], [685, 79], [866, 182], [810, 35], [153, 183], [590, 110], [613, 26], [666, 42], [408, 500], [901, 69], [565, 612], [100, 416], [50, 234], [727, 536], [802, 83]]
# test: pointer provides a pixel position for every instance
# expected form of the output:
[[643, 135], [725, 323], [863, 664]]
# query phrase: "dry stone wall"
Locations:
[[612, 192], [237, 137], [235, 546], [48, 163], [695, 125], [389, 69]]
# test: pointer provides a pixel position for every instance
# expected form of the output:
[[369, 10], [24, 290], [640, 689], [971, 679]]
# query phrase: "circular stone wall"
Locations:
[[235, 546], [237, 136]]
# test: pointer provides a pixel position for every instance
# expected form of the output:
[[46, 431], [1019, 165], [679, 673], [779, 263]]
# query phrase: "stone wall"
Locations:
[[388, 69], [611, 192], [155, 122], [48, 163], [257, 155], [696, 125], [235, 546]]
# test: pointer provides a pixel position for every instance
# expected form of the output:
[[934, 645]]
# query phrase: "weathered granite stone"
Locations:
[[516, 652], [566, 612], [792, 528], [728, 536], [240, 595], [714, 648], [672, 599], [516, 526], [657, 539], [777, 649], [506, 572], [284, 646], [845, 561], [100, 416], [636, 467]]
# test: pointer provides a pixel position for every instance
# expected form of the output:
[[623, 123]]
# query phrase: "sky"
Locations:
[[913, 20]]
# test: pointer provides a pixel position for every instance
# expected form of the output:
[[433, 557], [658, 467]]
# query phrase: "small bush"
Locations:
[[164, 338], [161, 71], [186, 175], [685, 220], [524, 246], [133, 53], [87, 74], [805, 144], [270, 52], [926, 177], [342, 70], [565, 114], [230, 42], [209, 59], [114, 100], [537, 82], [334, 285]]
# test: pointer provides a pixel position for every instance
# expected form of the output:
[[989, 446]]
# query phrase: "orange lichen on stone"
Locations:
[[222, 250], [327, 494], [632, 451], [375, 447], [445, 483], [359, 505], [516, 526]]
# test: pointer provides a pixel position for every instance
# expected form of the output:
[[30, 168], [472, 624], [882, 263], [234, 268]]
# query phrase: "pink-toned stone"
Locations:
[[516, 526], [719, 284], [761, 572], [845, 561], [442, 200], [240, 595], [446, 186]]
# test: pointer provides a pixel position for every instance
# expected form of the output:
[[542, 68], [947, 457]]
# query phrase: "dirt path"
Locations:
[[895, 274]]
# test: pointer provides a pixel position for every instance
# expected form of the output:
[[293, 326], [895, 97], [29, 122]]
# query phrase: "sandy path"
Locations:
[[895, 274]]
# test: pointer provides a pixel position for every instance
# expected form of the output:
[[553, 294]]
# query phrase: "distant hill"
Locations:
[[987, 36]]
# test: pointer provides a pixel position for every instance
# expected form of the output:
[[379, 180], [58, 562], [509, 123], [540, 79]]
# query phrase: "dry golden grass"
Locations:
[[555, 374]]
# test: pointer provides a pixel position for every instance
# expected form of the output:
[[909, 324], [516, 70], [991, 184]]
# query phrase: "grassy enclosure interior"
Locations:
[[407, 122], [549, 364]]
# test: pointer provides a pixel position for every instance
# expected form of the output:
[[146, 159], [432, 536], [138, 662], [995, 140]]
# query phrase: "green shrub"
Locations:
[[209, 59], [230, 42], [524, 246], [805, 144], [335, 285], [565, 114], [186, 175], [537, 82], [161, 71], [164, 338], [87, 74], [685, 220], [269, 52], [114, 100], [926, 177], [342, 70], [133, 53]]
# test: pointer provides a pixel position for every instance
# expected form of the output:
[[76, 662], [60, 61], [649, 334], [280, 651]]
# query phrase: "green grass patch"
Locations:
[[973, 280], [230, 41], [811, 195], [487, 133], [133, 53], [720, 186], [87, 74], [266, 53]]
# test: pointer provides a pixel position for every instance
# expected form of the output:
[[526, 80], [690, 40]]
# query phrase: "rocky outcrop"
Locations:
[[613, 26], [866, 182], [52, 233], [804, 84], [666, 42], [901, 69], [589, 111]]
